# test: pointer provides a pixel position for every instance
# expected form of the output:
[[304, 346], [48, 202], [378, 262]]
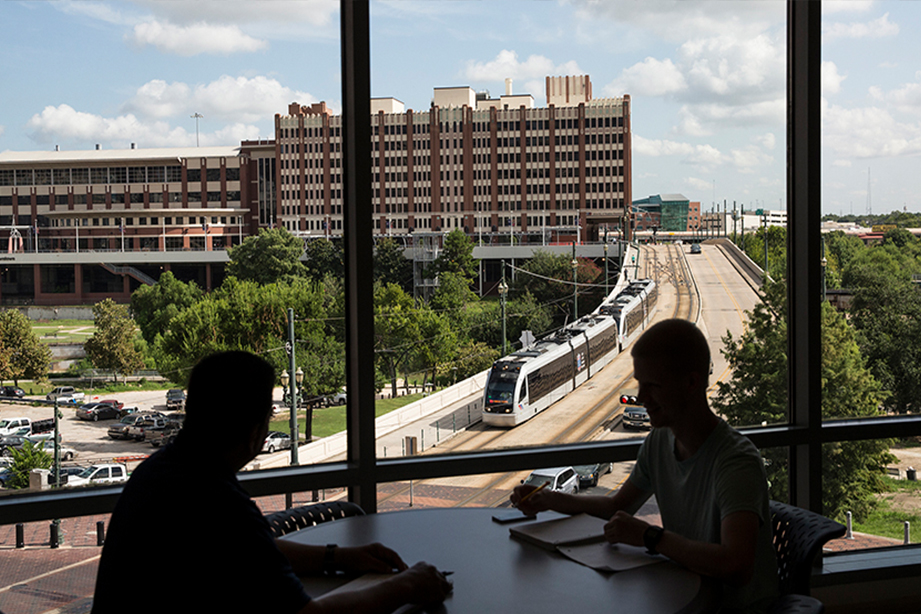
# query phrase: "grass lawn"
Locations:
[[901, 503], [331, 420], [63, 331]]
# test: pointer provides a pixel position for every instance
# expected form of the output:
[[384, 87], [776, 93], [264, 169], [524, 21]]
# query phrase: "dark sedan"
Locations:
[[589, 474], [12, 391], [98, 411], [10, 442]]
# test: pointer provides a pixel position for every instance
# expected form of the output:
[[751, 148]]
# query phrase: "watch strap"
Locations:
[[651, 538]]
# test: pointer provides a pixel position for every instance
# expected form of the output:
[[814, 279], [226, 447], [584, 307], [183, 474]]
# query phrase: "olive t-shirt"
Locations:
[[724, 476]]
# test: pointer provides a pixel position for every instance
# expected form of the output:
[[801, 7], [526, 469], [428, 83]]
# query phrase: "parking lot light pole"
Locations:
[[292, 368]]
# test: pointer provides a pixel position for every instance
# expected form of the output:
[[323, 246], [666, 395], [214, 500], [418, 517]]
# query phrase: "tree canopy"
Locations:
[[112, 345], [25, 356], [272, 255], [757, 393]]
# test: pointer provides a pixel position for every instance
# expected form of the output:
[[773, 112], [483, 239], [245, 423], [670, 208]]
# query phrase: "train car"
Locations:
[[528, 381]]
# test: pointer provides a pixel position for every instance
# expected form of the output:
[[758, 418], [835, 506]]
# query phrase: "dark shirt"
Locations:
[[186, 537]]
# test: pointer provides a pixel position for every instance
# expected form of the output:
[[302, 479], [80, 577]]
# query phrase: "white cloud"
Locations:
[[2, 129], [699, 155], [868, 132], [507, 65], [831, 78], [194, 39], [906, 98], [65, 124], [876, 28], [749, 159], [674, 19], [843, 163], [242, 99], [766, 141], [651, 77], [244, 12]]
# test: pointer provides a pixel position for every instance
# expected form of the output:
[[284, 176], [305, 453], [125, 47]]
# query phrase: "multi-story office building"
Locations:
[[493, 167], [81, 226]]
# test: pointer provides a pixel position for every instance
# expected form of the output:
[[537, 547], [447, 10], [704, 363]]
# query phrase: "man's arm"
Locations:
[[732, 560], [420, 584], [628, 498], [309, 559]]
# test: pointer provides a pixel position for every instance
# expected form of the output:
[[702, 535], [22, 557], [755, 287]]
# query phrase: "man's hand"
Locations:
[[427, 585], [371, 557], [625, 529], [530, 505]]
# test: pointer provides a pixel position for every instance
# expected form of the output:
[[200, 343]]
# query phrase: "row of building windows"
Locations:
[[119, 198], [111, 175]]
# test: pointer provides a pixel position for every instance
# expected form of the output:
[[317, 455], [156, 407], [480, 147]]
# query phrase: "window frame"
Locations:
[[361, 472]]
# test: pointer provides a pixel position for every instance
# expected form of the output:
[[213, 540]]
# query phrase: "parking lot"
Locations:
[[90, 439]]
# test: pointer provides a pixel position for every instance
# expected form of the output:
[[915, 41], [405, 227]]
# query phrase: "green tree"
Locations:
[[391, 265], [396, 330], [27, 357], [548, 277], [887, 313], [26, 459], [112, 345], [322, 258], [456, 257], [154, 307], [453, 293], [757, 392], [272, 255]]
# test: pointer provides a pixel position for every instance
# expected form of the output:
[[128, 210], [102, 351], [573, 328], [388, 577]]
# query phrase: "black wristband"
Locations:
[[651, 538], [329, 565]]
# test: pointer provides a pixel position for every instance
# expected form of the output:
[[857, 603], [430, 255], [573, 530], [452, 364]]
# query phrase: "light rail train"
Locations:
[[526, 382]]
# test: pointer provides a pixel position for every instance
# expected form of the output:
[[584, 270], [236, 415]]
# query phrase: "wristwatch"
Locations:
[[329, 566], [651, 538]]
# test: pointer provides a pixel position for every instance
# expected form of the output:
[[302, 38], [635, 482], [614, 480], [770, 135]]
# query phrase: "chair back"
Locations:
[[798, 537], [297, 518]]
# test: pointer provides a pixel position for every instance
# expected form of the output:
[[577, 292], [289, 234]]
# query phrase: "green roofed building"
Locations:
[[669, 211]]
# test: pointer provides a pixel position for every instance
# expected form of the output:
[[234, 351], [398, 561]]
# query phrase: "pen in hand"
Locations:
[[536, 490]]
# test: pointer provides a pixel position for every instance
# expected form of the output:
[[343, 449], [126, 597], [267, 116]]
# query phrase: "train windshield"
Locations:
[[500, 388]]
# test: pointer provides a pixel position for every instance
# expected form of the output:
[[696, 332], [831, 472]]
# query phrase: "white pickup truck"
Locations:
[[104, 473], [25, 427], [65, 394]]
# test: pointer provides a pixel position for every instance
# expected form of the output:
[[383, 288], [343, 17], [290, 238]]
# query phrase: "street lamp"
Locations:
[[503, 292]]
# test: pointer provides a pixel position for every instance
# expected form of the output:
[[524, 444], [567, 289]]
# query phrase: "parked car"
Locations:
[[175, 399], [12, 392], [635, 416], [276, 440], [8, 443], [119, 430], [106, 473], [47, 445], [25, 426], [163, 435], [695, 248], [338, 398], [98, 411], [66, 473], [589, 474], [563, 479], [137, 430], [65, 394]]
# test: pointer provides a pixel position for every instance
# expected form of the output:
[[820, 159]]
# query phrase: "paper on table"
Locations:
[[609, 557], [551, 534]]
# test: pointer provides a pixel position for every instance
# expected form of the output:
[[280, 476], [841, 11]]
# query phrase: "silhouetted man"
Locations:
[[709, 480], [185, 537]]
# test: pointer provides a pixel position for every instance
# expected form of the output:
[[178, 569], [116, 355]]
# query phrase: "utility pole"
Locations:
[[293, 389], [197, 117], [575, 286]]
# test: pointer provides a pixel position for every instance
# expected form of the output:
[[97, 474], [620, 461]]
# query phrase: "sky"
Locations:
[[707, 79]]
